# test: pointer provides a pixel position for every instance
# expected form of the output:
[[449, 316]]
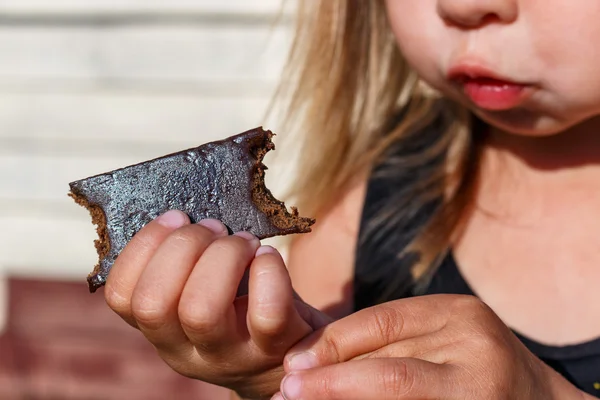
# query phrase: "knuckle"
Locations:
[[483, 322], [470, 305], [199, 319], [465, 302], [492, 346], [268, 325], [333, 344], [397, 379], [142, 241], [148, 312], [481, 343], [229, 245], [189, 236], [116, 301], [386, 323], [473, 309]]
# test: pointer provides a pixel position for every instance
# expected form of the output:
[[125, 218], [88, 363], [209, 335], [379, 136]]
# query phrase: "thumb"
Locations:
[[273, 319], [372, 379]]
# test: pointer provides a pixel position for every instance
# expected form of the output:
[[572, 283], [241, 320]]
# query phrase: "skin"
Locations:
[[177, 282]]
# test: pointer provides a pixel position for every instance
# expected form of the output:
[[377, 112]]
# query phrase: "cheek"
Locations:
[[416, 27], [565, 39], [577, 77]]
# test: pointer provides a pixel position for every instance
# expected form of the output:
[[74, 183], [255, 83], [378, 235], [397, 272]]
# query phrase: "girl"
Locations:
[[451, 152]]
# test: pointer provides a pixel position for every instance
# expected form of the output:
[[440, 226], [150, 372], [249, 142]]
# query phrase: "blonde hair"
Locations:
[[343, 87]]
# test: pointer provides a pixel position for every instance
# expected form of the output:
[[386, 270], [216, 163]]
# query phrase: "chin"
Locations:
[[525, 123]]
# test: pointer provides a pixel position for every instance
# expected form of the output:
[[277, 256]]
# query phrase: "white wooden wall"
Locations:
[[87, 86]]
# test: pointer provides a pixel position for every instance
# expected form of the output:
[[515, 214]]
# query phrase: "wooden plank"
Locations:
[[78, 122], [47, 177], [177, 54], [158, 6], [47, 248]]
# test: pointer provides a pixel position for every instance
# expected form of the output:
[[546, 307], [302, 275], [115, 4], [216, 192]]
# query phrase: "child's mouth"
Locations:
[[492, 94], [487, 91]]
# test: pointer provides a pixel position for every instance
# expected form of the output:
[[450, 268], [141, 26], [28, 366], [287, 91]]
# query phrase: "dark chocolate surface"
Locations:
[[215, 180]]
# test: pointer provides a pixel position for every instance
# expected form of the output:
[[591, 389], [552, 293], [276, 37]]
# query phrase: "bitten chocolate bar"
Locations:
[[223, 180]]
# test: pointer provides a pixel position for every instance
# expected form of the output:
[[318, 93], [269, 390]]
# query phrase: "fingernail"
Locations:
[[246, 235], [173, 219], [277, 396], [291, 387], [300, 361], [215, 226], [266, 249]]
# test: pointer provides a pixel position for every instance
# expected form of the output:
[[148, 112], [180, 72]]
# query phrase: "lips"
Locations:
[[487, 90]]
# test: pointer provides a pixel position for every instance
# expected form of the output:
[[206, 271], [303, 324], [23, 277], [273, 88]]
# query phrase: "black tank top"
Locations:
[[380, 275]]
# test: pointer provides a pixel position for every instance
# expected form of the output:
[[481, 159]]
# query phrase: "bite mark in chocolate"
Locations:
[[224, 180]]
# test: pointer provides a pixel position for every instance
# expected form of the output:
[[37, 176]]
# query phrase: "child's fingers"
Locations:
[[206, 308], [374, 379], [273, 321], [371, 329], [133, 259], [156, 296]]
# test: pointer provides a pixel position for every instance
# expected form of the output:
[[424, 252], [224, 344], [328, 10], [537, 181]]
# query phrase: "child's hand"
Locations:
[[177, 282], [429, 347]]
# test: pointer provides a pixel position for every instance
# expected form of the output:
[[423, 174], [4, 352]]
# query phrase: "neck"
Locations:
[[524, 170], [576, 147]]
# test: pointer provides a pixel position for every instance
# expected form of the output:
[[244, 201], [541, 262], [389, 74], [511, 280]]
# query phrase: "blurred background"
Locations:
[[87, 86]]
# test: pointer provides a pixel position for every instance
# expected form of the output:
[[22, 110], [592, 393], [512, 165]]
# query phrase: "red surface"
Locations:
[[62, 343]]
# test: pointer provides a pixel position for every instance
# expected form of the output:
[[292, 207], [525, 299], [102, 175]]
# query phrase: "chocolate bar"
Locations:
[[223, 180]]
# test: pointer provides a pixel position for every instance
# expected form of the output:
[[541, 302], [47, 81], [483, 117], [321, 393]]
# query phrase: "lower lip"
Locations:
[[494, 95]]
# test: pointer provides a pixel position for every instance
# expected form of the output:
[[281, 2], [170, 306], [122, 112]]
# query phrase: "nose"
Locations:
[[474, 13]]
